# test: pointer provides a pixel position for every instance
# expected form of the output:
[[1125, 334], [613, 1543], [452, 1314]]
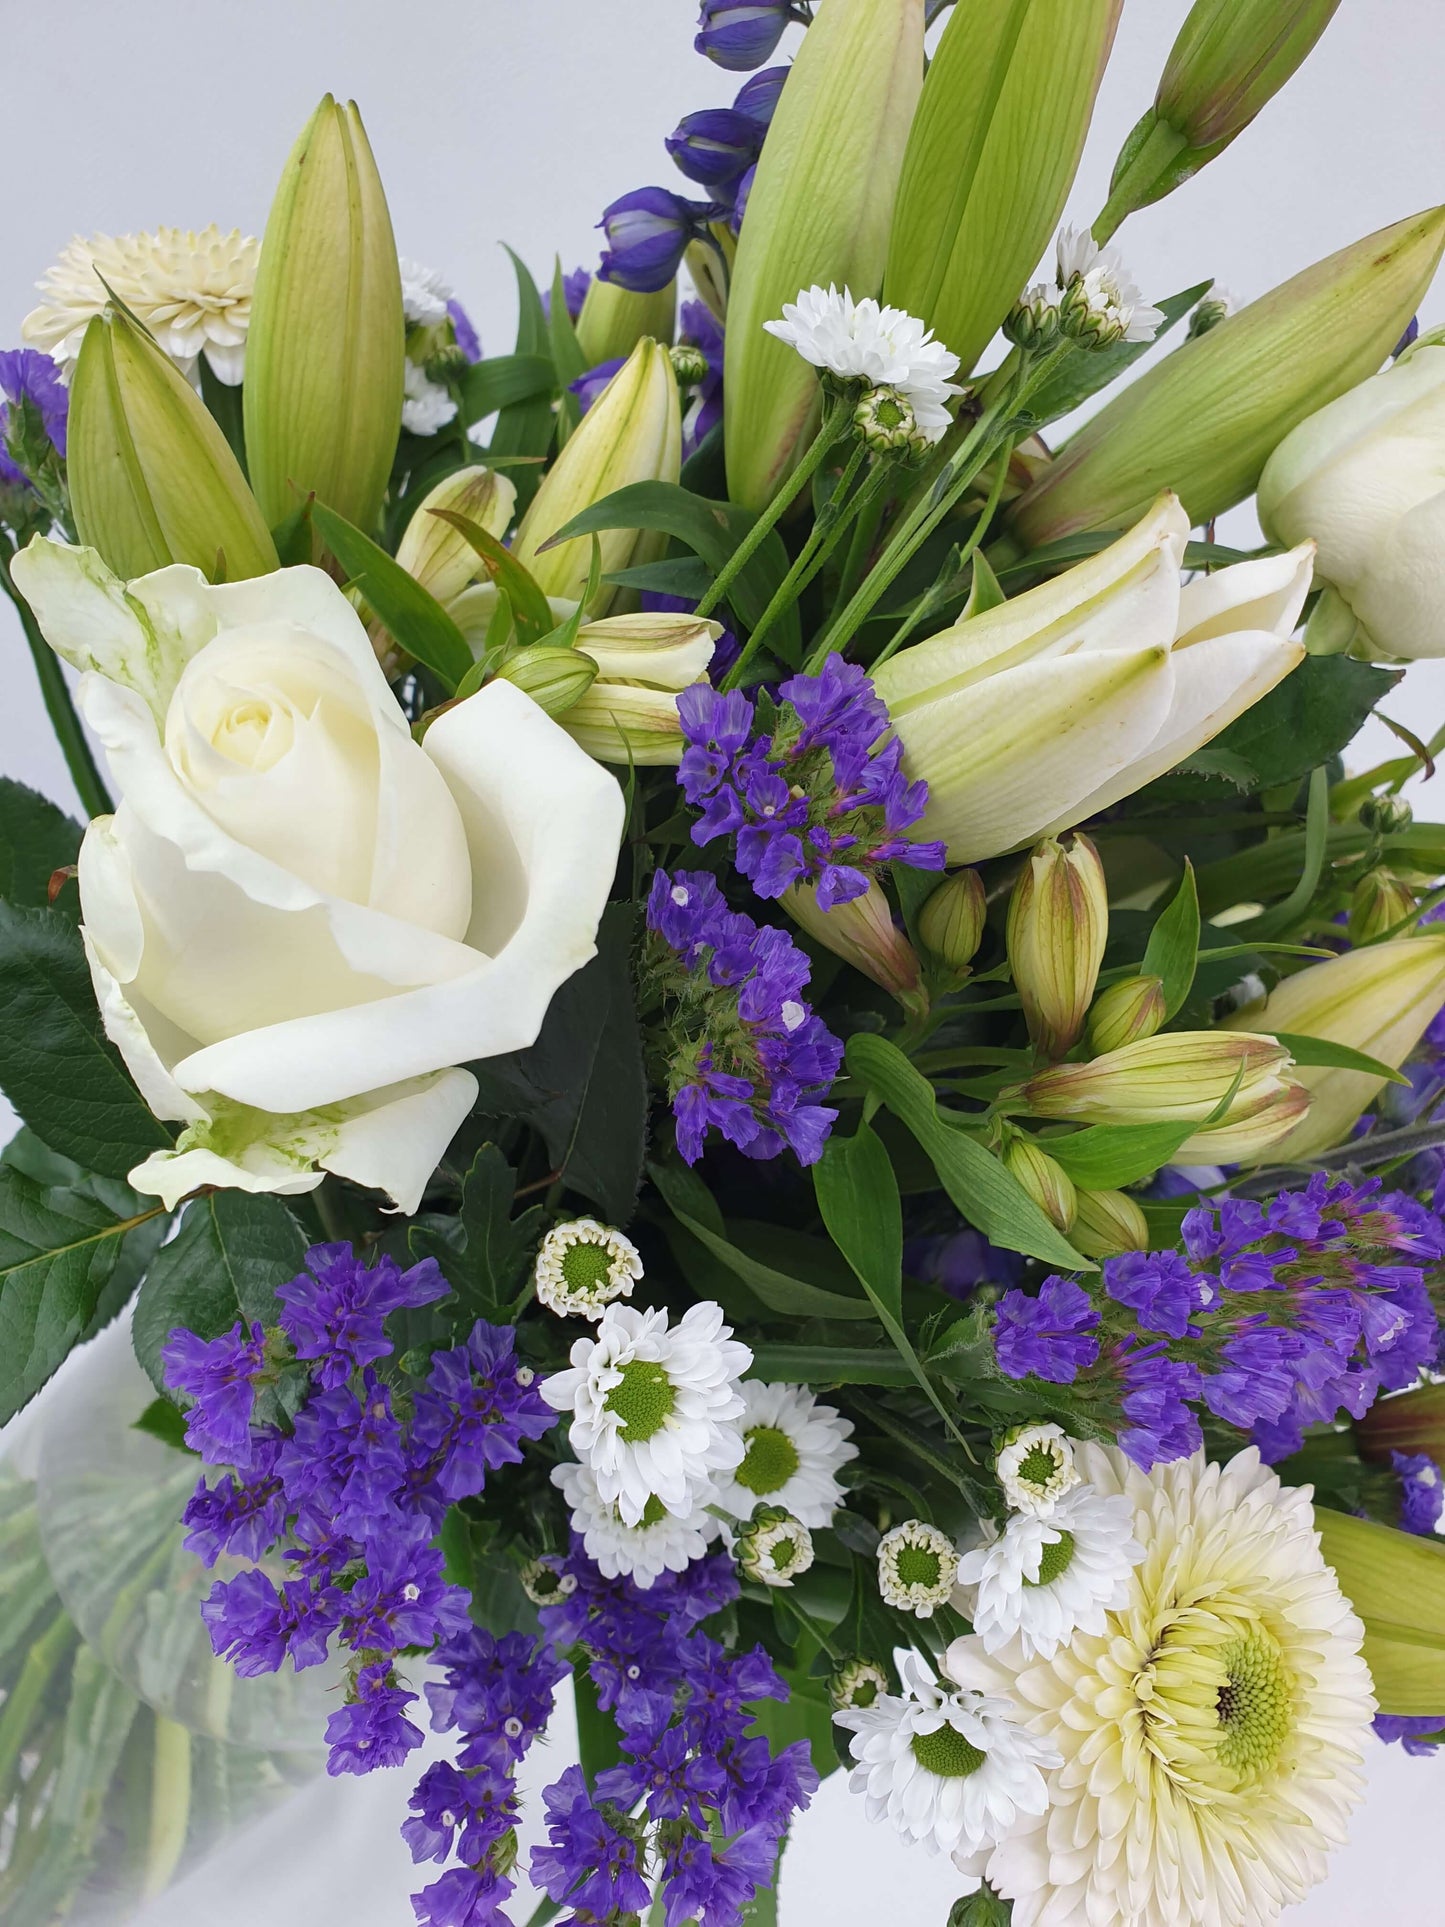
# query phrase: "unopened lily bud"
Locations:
[[325, 356], [1180, 1076], [555, 679], [1396, 1583], [152, 478], [952, 920], [1044, 1178], [1125, 1012], [863, 933], [434, 551], [1108, 1223], [884, 418], [1386, 815], [1058, 924], [1410, 1422], [1379, 901], [1034, 321], [614, 319]]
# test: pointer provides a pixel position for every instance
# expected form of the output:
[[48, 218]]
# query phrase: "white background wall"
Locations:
[[519, 120]]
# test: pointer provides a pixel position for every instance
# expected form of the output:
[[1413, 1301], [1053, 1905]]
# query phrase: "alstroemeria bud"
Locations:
[[1204, 420], [1377, 1000], [951, 921], [614, 319], [628, 726], [648, 232], [325, 351], [714, 146], [152, 478], [741, 34], [1045, 1180], [631, 433], [1379, 901], [1180, 1076], [1125, 1012], [1058, 924], [1396, 1583], [659, 650], [436, 553], [991, 155], [555, 679], [1107, 1223], [819, 213], [863, 933]]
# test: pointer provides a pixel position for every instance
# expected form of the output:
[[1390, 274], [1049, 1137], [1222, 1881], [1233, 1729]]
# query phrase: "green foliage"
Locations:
[[1301, 723], [36, 840], [526, 425], [1106, 1157], [1173, 948], [415, 618], [484, 1252]]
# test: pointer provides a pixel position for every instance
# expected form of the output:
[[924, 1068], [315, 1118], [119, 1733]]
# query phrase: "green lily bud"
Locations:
[[631, 433], [991, 155], [862, 932], [1126, 1011], [324, 356], [951, 921], [1058, 924], [1045, 1180], [555, 679], [1396, 1583], [1107, 1224], [152, 478], [1205, 419], [614, 319], [819, 212], [1378, 902], [1229, 59], [434, 551]]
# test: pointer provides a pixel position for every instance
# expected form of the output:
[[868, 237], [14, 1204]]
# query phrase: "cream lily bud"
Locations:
[[1107, 1224], [1205, 419], [614, 319], [1412, 1421], [1379, 902], [863, 934], [1180, 1076], [152, 478], [1377, 1000], [435, 552], [952, 920], [1366, 477], [1030, 717], [1125, 1012], [1396, 1583], [1058, 924], [819, 214], [992, 152], [631, 433], [555, 679], [1044, 1178], [325, 355], [629, 715]]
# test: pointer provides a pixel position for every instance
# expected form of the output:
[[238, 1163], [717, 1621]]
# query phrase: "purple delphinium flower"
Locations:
[[648, 232], [588, 387], [31, 380], [574, 292], [742, 34], [336, 1309], [1417, 1733], [758, 98], [1050, 1336], [958, 1262], [700, 328], [467, 337], [221, 1375], [714, 146], [1422, 1494]]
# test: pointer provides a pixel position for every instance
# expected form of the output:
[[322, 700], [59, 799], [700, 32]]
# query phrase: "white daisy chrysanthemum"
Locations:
[[774, 1548], [191, 290], [655, 1408], [424, 294], [794, 1449], [658, 1543], [1042, 1580], [1099, 291], [428, 406], [582, 1266], [1212, 1734], [952, 1770], [917, 1568], [886, 347], [1036, 1467]]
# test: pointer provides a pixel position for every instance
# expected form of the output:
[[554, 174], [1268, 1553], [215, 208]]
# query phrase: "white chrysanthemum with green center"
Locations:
[[857, 1683], [952, 1770], [655, 1409], [917, 1568], [1036, 1467], [1212, 1734], [582, 1266], [1043, 1580], [774, 1548], [660, 1542], [794, 1448]]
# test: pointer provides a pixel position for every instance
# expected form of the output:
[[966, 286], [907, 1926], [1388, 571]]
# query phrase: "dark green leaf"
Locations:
[[679, 575], [1105, 1157], [599, 1744], [504, 380], [804, 1715], [531, 611], [526, 427], [1173, 948], [1321, 1051], [981, 1909], [1087, 370], [292, 536], [829, 1365], [36, 840], [984, 591], [56, 1065], [233, 1249], [567, 356], [1301, 723], [486, 1264], [418, 621], [163, 1421]]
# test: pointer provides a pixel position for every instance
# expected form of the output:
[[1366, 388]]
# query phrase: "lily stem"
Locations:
[[89, 784]]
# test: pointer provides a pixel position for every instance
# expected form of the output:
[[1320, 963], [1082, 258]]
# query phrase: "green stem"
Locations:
[[89, 785], [170, 1805], [1138, 183], [928, 605]]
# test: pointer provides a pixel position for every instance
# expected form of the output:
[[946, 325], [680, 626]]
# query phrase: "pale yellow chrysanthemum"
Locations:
[[193, 291], [1212, 1735]]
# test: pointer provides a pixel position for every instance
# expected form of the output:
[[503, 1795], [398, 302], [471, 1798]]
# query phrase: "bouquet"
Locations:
[[729, 1022]]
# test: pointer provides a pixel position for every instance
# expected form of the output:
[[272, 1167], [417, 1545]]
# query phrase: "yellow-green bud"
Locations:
[[627, 725], [1058, 924], [1386, 815], [773, 1548], [152, 478], [1108, 1223], [614, 319], [886, 421], [435, 552], [952, 920], [325, 350], [1033, 322], [862, 932], [1044, 1178], [1379, 901], [1125, 1012], [1396, 1583], [555, 679]]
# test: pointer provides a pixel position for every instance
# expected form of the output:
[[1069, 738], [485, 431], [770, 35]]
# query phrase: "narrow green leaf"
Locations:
[[599, 1743], [1321, 1051], [567, 356], [1105, 1157], [1173, 949], [829, 1365], [504, 380], [36, 839], [531, 611], [526, 427], [293, 536], [984, 590], [420, 624]]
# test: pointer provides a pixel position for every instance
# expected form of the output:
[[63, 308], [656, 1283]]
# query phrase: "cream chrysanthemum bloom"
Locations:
[[658, 1543], [191, 290], [795, 1448], [1212, 1735]]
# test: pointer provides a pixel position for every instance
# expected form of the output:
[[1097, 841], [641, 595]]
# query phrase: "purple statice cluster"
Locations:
[[33, 414], [696, 1802], [1272, 1317], [745, 1054], [1417, 1733], [1422, 1491], [817, 796]]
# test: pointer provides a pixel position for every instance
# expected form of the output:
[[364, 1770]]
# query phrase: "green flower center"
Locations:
[[585, 1266], [784, 1553], [654, 1512], [643, 1401], [1038, 1467], [917, 1566], [1056, 1558], [770, 1461], [864, 1693], [886, 411], [1255, 1704], [947, 1753]]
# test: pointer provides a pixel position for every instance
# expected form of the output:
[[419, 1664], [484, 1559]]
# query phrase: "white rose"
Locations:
[[1366, 478], [299, 920]]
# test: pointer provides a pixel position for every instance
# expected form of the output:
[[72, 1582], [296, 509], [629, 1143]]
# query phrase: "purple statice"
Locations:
[[467, 338], [464, 1897], [700, 328], [746, 1056], [593, 1859], [465, 1813], [1157, 1420], [34, 412], [495, 1691], [574, 293], [372, 1729], [480, 1403], [677, 1782], [1049, 1336], [221, 1376], [742, 34], [256, 1627], [648, 232], [243, 1513], [1422, 1494], [1417, 1733], [712, 1883], [818, 796], [1158, 1287], [336, 1310]]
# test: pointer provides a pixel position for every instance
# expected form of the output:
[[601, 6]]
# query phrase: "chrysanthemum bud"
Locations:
[[1386, 815], [863, 933], [152, 478], [1036, 1467], [886, 421], [1058, 924], [614, 319], [1396, 1583], [543, 1584], [1126, 1011], [1108, 1223], [857, 1683], [1215, 307], [952, 920], [1379, 901], [1412, 1421], [582, 1266], [555, 679], [689, 364], [1033, 321], [773, 1548], [1045, 1180], [435, 551]]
